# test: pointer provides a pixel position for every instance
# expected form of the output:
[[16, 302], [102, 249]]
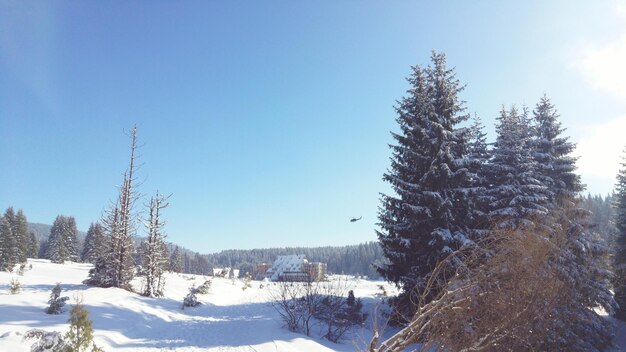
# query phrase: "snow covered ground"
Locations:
[[230, 319]]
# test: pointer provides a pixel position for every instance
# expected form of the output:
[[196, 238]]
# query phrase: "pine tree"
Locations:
[[480, 155], [556, 168], [20, 231], [10, 252], [80, 335], [176, 261], [69, 238], [515, 194], [94, 240], [155, 259], [6, 240], [57, 244], [56, 302], [582, 258], [33, 246], [619, 281], [428, 216]]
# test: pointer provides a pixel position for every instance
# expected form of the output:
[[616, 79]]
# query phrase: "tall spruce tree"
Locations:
[[581, 262], [11, 245], [154, 256], [480, 155], [6, 239], [619, 281], [57, 251], [515, 194], [94, 240], [20, 231], [70, 238], [33, 246], [176, 261], [428, 215]]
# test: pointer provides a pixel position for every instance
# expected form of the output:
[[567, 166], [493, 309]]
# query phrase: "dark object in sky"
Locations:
[[355, 219]]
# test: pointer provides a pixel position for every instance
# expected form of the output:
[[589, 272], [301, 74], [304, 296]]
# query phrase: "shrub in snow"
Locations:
[[205, 288], [80, 336], [47, 341], [56, 302], [191, 300], [21, 269], [340, 315], [15, 286], [247, 281]]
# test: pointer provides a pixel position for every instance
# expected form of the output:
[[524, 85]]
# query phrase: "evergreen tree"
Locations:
[[56, 302], [58, 252], [619, 281], [70, 239], [556, 168], [176, 261], [94, 240], [6, 240], [480, 154], [33, 246], [515, 194], [429, 214], [10, 252], [154, 256], [80, 335], [581, 262], [20, 231]]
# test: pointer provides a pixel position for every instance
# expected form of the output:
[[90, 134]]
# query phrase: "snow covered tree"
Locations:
[[20, 231], [582, 258], [10, 246], [114, 264], [56, 302], [515, 194], [191, 300], [62, 242], [480, 155], [6, 244], [94, 240], [429, 213], [556, 168], [154, 256], [33, 246], [176, 261], [619, 281]]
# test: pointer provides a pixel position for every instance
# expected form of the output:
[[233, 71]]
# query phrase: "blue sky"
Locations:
[[269, 121]]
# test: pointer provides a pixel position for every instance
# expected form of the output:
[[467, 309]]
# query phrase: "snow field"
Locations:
[[229, 319]]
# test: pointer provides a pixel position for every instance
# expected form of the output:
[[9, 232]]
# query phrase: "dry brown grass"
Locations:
[[499, 299]]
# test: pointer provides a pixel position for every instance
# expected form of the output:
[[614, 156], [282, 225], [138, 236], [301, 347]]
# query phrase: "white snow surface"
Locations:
[[229, 319]]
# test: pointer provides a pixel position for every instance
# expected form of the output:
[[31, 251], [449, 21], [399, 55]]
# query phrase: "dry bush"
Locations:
[[498, 299]]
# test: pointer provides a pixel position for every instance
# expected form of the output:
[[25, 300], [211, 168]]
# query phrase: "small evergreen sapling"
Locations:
[[15, 286], [191, 300], [205, 288], [247, 281], [80, 336], [56, 301]]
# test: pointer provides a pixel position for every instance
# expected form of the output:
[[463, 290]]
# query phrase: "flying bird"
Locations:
[[355, 219]]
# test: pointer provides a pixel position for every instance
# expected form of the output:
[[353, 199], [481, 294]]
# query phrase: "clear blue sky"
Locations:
[[269, 121]]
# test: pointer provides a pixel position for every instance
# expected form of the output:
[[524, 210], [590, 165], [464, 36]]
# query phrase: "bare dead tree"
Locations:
[[154, 256]]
